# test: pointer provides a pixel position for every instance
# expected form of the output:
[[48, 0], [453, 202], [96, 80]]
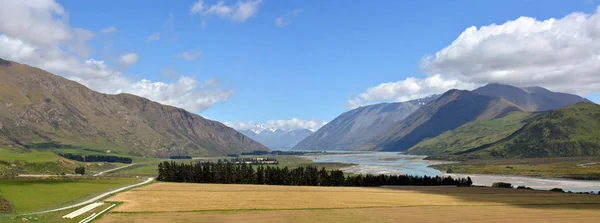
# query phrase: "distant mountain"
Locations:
[[277, 139], [39, 107], [473, 134], [453, 109], [530, 98], [568, 131], [353, 129]]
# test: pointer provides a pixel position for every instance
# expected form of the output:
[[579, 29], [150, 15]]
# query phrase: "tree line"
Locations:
[[96, 158], [229, 173]]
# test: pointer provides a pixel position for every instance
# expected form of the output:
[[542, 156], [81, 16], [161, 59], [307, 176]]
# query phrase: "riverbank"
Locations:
[[579, 168]]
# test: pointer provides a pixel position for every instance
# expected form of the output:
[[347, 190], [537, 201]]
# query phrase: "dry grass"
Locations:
[[252, 203]]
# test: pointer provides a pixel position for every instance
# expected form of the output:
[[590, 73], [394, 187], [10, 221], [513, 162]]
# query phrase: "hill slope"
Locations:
[[530, 98], [453, 109], [37, 107], [472, 134], [352, 129], [278, 139], [569, 131]]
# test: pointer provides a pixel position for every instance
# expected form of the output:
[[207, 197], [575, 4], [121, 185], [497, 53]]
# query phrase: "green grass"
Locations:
[[567, 167], [472, 135], [33, 156], [30, 195]]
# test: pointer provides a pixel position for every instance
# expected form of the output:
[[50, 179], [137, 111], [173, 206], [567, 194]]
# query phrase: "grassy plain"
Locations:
[[568, 167], [30, 195], [175, 202]]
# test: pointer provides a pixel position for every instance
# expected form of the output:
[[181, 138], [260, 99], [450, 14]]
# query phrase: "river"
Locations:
[[394, 163]]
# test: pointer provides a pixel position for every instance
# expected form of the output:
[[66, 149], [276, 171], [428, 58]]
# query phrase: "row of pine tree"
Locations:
[[229, 173]]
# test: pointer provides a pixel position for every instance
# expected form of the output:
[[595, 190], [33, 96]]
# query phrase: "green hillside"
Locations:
[[472, 135], [566, 132]]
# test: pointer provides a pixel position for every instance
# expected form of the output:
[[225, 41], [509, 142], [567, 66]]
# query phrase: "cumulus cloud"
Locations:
[[562, 54], [126, 60], [286, 19], [108, 30], [189, 56], [186, 92], [239, 12], [406, 90], [42, 22], [290, 124]]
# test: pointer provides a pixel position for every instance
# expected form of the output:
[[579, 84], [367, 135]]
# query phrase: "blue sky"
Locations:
[[324, 57]]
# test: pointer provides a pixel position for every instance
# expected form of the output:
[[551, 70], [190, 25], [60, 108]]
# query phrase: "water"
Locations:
[[394, 163], [382, 163]]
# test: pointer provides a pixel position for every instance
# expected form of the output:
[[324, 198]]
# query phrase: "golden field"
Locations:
[[174, 202]]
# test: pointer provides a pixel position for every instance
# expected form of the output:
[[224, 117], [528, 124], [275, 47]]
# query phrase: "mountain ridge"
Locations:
[[38, 106]]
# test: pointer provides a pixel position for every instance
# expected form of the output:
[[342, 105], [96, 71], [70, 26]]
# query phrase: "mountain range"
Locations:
[[277, 139], [37, 107], [431, 118]]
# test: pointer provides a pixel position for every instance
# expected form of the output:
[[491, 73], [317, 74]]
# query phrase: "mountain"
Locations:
[[453, 109], [353, 129], [473, 134], [278, 139], [530, 98], [37, 107], [570, 131]]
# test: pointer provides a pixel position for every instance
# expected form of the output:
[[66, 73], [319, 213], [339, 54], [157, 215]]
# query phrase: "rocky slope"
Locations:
[[38, 107]]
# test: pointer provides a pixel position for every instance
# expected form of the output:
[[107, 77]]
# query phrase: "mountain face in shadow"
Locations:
[[353, 129], [530, 98], [453, 109]]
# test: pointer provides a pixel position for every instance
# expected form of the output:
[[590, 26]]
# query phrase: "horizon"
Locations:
[[301, 64]]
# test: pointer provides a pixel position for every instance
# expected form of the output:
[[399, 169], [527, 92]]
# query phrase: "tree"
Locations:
[[80, 170], [469, 181]]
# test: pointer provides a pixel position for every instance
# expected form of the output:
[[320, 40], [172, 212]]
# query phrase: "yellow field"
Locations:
[[171, 202]]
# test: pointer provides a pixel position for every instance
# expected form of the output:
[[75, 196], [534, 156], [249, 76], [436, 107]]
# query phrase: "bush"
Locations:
[[557, 190], [502, 185], [524, 188], [5, 206]]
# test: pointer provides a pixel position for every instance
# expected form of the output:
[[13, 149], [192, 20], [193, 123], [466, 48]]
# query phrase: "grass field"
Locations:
[[175, 202], [30, 195], [569, 167]]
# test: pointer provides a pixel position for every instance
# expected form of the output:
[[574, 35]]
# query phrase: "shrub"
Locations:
[[5, 206], [524, 188], [557, 190], [502, 185]]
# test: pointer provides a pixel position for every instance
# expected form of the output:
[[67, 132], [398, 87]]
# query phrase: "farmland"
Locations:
[[259, 203], [30, 195]]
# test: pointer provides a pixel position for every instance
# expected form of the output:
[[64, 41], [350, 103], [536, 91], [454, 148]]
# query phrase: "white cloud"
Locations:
[[189, 56], [187, 92], [405, 90], [154, 36], [239, 12], [126, 60], [290, 124], [286, 19], [42, 22], [562, 54], [108, 30]]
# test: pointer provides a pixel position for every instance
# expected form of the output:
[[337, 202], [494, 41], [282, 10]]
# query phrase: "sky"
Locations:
[[301, 63]]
